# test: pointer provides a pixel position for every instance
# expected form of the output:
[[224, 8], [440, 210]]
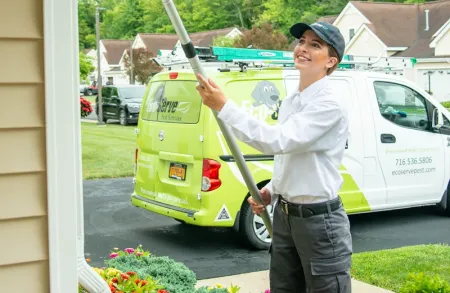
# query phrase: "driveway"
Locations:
[[111, 221]]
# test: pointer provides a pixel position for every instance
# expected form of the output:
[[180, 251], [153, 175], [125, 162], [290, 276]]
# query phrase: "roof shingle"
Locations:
[[403, 25], [114, 49], [156, 42]]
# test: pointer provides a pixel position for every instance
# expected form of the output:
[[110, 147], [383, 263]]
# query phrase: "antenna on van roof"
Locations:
[[242, 59]]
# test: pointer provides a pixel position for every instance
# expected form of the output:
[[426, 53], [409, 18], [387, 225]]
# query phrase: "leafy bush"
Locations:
[[446, 104], [85, 107], [419, 283], [218, 289], [135, 270], [175, 276]]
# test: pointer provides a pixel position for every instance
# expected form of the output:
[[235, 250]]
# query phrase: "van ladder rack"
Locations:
[[225, 59]]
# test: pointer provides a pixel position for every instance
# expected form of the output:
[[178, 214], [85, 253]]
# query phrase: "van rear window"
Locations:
[[173, 102]]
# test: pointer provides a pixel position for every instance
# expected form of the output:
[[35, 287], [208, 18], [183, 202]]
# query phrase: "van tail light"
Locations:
[[135, 160], [210, 179]]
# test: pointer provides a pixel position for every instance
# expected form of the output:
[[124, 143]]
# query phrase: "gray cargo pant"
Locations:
[[310, 254]]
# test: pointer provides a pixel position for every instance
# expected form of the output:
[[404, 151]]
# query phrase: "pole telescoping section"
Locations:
[[194, 61]]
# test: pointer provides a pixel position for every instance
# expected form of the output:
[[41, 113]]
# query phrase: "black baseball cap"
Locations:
[[327, 32]]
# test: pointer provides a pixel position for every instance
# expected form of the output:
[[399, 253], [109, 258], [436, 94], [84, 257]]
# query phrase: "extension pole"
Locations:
[[190, 53]]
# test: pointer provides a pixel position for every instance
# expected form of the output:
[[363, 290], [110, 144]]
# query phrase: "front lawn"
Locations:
[[390, 269], [107, 151]]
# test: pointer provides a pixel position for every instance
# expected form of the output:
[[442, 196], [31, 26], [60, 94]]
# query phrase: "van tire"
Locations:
[[246, 230]]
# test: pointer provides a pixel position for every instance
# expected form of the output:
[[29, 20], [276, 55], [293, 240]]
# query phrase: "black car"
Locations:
[[121, 102]]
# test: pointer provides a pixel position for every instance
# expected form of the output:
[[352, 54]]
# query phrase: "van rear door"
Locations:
[[170, 147]]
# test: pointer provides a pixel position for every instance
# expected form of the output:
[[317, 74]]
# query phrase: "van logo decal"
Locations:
[[161, 135], [266, 93]]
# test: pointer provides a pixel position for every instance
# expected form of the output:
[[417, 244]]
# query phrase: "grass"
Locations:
[[90, 98], [107, 151], [390, 269]]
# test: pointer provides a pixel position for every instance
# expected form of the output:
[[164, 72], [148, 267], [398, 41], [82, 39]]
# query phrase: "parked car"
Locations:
[[91, 89], [121, 102]]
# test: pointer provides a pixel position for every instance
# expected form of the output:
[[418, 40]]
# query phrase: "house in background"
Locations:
[[158, 43], [421, 31], [111, 52]]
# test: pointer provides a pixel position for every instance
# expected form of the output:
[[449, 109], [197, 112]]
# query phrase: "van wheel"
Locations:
[[252, 228]]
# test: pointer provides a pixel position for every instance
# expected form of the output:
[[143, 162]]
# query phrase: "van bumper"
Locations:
[[198, 218]]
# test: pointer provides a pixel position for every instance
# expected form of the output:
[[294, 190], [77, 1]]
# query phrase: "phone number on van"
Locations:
[[413, 161]]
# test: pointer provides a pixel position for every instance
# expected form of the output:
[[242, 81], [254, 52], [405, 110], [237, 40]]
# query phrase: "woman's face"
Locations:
[[311, 54]]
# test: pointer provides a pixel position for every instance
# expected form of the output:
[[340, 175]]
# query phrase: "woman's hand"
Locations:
[[211, 94]]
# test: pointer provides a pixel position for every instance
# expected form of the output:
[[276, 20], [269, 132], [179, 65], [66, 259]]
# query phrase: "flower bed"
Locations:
[[138, 271]]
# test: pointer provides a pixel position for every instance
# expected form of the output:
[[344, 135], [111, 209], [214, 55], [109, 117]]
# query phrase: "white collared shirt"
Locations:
[[308, 142]]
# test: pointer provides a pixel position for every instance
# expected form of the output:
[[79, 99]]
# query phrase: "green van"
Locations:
[[185, 170]]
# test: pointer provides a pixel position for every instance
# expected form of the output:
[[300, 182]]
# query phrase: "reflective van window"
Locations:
[[173, 102]]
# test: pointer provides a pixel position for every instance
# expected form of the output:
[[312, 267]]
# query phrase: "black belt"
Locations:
[[309, 210]]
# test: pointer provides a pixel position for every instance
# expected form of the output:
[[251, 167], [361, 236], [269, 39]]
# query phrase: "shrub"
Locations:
[[128, 282], [129, 268], [175, 276], [218, 289], [419, 283], [85, 107], [446, 104]]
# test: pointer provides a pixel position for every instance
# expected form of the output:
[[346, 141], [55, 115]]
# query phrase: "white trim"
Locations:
[[62, 141], [359, 32], [433, 60], [344, 11], [443, 30], [396, 48], [67, 265]]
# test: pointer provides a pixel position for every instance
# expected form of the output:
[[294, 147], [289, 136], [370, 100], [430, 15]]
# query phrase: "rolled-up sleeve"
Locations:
[[302, 132]]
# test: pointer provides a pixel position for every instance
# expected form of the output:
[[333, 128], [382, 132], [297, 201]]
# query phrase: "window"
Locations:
[[446, 122], [134, 92], [172, 101], [351, 33], [402, 106]]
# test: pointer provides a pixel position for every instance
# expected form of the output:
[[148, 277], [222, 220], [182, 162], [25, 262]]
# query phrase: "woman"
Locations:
[[312, 245]]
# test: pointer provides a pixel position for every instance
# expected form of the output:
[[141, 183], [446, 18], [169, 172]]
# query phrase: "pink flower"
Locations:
[[267, 291], [129, 250], [113, 255]]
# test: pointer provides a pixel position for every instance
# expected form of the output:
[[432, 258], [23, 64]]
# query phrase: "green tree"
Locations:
[[262, 37], [86, 67], [86, 23]]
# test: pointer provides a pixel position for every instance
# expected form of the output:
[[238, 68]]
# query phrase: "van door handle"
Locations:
[[387, 138]]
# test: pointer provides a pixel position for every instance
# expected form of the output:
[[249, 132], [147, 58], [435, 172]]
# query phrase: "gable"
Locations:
[[349, 21], [365, 43], [442, 47]]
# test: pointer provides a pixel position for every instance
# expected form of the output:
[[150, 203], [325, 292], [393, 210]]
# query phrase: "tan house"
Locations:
[[401, 30], [41, 219]]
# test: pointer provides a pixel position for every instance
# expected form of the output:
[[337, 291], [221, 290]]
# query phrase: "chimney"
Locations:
[[427, 23]]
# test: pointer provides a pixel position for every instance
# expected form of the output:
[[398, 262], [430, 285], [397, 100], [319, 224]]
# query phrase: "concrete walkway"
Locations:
[[258, 282]]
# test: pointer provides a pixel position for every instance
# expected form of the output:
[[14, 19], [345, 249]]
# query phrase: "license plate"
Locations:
[[177, 171]]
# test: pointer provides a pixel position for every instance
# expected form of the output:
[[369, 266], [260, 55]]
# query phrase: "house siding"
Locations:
[[23, 180], [366, 45], [350, 20], [443, 46]]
